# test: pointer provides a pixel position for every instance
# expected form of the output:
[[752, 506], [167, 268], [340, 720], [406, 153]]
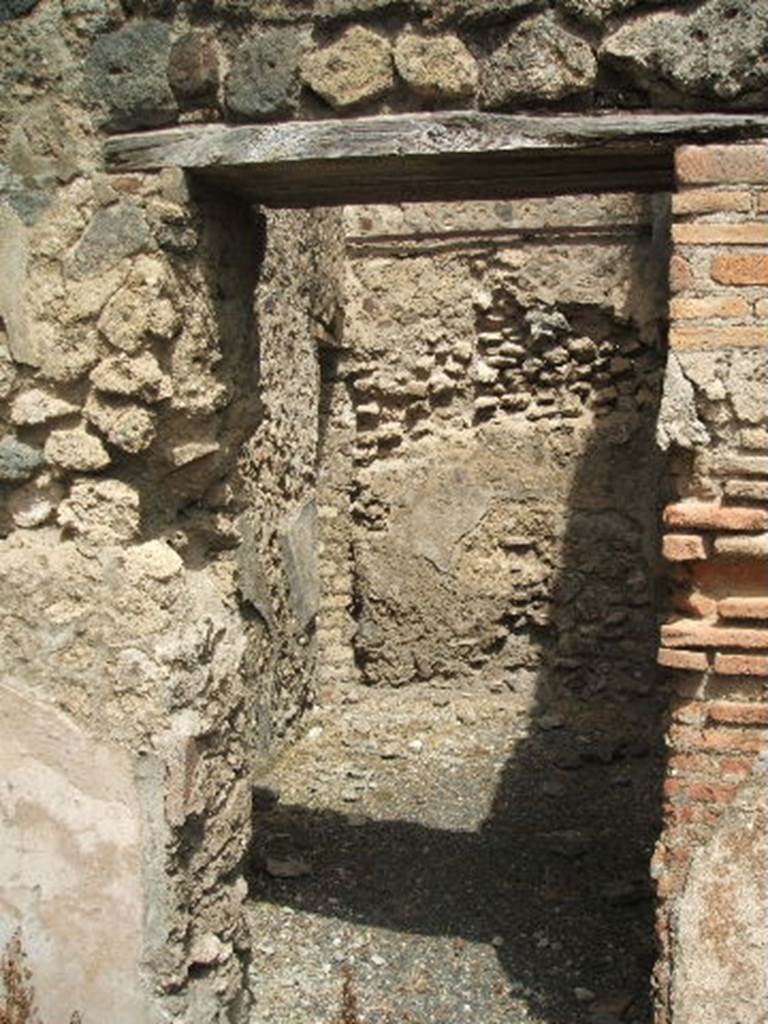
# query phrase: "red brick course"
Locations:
[[744, 607], [699, 516], [741, 665], [694, 633], [680, 547], [740, 268], [729, 165]]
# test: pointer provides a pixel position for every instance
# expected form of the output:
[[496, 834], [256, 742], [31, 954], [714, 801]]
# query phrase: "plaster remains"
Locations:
[[258, 463]]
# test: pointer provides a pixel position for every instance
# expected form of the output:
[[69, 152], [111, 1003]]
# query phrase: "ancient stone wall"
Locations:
[[495, 358], [160, 440], [711, 860]]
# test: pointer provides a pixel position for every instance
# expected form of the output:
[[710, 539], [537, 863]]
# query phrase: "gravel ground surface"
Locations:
[[428, 856]]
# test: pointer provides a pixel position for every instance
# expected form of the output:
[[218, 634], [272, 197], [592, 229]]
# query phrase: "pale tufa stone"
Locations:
[[33, 504], [18, 461], [155, 560], [128, 426], [436, 67], [76, 449], [31, 408], [139, 377], [132, 317], [101, 511], [356, 69]]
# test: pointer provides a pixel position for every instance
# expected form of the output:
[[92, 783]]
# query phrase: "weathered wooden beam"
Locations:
[[459, 155]]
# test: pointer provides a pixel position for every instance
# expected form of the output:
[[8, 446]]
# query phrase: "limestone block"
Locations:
[[539, 61], [38, 406], [132, 377], [436, 67], [673, 53], [76, 449], [18, 461], [101, 511], [126, 70], [355, 69], [263, 82], [126, 425], [71, 864]]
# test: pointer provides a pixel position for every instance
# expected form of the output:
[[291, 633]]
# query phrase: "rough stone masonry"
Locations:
[[161, 445]]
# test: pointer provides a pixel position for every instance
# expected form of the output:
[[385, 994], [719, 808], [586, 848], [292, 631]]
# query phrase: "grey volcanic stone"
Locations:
[[540, 61], [18, 461], [193, 70], [126, 70], [478, 12], [596, 11], [15, 8], [718, 51], [114, 233], [264, 81]]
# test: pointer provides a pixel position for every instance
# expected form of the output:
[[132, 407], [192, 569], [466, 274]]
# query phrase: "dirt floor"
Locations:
[[432, 856]]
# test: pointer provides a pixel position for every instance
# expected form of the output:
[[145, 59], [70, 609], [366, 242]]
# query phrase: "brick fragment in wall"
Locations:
[[694, 602], [709, 308], [692, 633], [744, 607], [690, 661], [706, 201], [754, 546], [725, 336], [700, 792], [698, 233], [741, 465], [735, 164], [747, 490], [736, 268], [686, 737], [678, 547], [704, 764], [742, 665], [755, 713], [696, 515]]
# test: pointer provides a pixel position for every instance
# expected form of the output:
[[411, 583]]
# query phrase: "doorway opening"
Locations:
[[462, 829]]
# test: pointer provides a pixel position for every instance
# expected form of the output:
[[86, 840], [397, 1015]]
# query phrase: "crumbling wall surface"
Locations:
[[710, 861], [504, 399], [297, 307], [128, 392]]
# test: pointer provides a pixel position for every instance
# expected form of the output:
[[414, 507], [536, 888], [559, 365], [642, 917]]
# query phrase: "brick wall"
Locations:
[[715, 642]]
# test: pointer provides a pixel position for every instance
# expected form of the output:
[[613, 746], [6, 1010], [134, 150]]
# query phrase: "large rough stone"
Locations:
[[132, 377], [356, 69], [15, 8], [31, 408], [539, 61], [113, 233], [126, 70], [193, 70], [71, 863], [263, 82], [76, 449], [101, 512], [127, 425], [716, 51], [679, 422], [18, 461], [436, 67]]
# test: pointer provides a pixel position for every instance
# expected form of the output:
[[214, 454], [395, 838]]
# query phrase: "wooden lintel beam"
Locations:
[[461, 155]]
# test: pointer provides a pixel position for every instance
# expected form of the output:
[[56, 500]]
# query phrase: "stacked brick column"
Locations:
[[715, 643]]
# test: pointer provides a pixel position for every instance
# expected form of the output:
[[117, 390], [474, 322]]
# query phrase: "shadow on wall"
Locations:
[[565, 849]]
